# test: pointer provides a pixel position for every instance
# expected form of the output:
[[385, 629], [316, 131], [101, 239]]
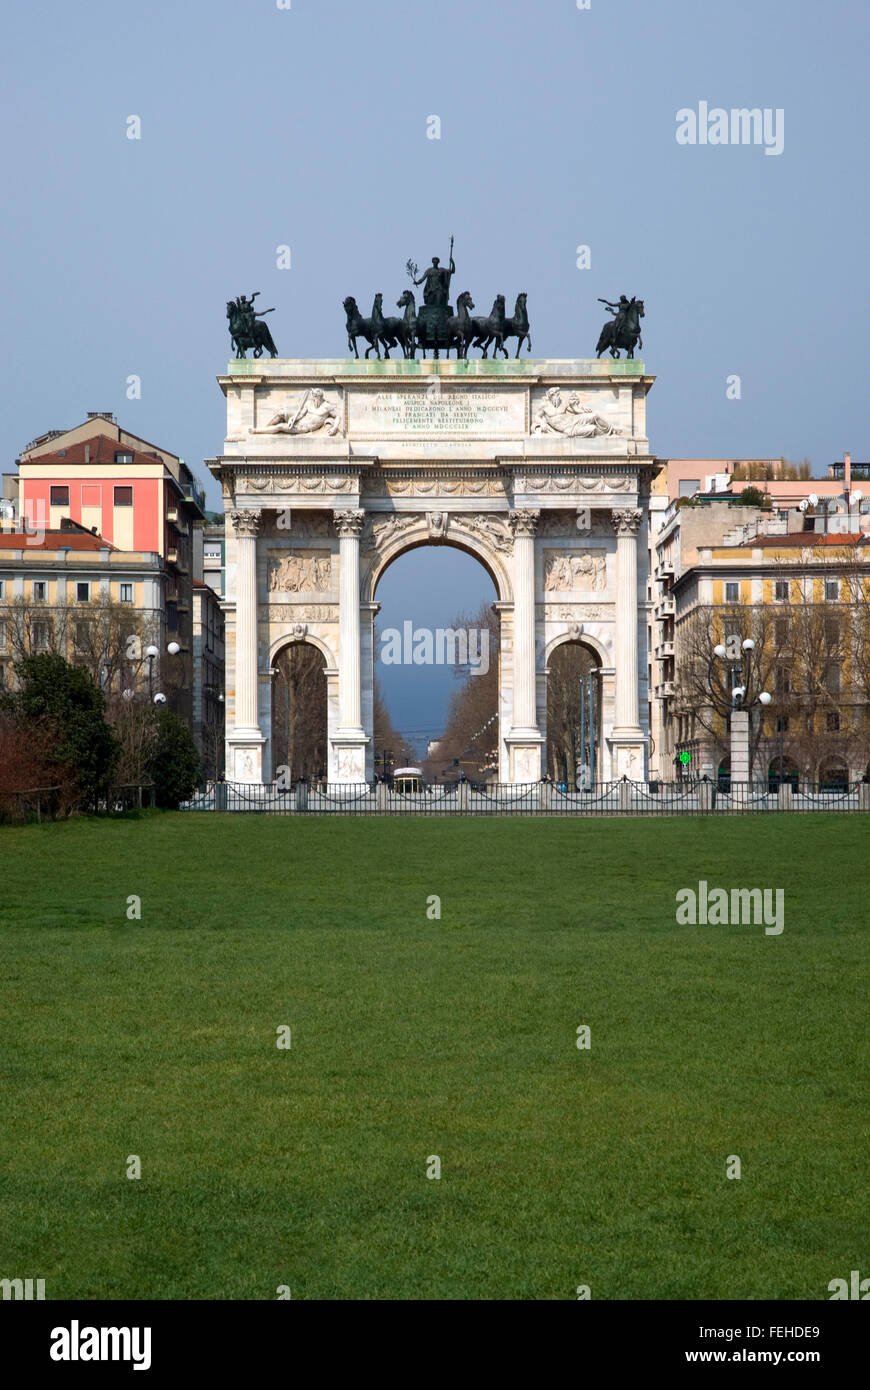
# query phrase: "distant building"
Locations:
[[135, 495], [69, 591]]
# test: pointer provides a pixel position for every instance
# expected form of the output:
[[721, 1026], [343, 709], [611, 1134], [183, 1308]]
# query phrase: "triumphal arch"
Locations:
[[332, 468]]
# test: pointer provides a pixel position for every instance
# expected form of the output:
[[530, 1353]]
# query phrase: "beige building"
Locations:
[[68, 591]]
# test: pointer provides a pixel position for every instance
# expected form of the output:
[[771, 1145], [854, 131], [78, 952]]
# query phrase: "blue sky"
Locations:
[[307, 126]]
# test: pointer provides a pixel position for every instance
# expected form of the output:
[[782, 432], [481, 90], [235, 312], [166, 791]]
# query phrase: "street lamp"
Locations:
[[739, 654], [151, 653]]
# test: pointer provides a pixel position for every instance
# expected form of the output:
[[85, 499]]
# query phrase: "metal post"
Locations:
[[583, 722], [592, 764]]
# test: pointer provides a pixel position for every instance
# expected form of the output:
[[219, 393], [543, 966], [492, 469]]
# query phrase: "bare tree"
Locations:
[[569, 667], [470, 737]]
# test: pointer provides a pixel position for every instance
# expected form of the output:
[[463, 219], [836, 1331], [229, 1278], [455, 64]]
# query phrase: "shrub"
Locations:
[[60, 710], [175, 766]]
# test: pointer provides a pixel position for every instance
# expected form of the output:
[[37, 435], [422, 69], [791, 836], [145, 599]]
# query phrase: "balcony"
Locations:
[[665, 570], [665, 608], [664, 650], [195, 497], [664, 691]]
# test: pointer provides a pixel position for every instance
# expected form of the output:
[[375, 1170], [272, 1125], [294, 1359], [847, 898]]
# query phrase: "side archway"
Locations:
[[573, 710], [299, 732]]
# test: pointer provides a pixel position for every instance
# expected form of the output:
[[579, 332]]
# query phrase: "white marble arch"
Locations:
[[446, 452]]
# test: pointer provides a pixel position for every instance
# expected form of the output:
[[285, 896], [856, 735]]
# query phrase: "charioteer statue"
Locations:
[[435, 326], [433, 319]]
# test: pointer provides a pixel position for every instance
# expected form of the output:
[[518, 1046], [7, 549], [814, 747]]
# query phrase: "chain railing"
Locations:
[[620, 797]]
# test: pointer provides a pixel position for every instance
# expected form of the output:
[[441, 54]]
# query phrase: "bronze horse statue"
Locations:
[[460, 327], [402, 331], [492, 328], [371, 329], [517, 326], [623, 331]]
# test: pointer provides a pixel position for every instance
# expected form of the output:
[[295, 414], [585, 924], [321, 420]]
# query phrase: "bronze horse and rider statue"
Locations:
[[623, 330], [246, 330]]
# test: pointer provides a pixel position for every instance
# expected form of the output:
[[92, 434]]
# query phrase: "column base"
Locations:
[[245, 755], [524, 748], [628, 754], [349, 756]]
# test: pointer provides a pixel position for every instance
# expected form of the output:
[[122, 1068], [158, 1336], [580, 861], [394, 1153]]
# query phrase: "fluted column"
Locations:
[[246, 525], [524, 524], [626, 524], [349, 525], [244, 741]]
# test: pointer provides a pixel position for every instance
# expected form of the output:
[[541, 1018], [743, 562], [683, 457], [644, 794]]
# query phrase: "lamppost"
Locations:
[[151, 653], [386, 758], [739, 654]]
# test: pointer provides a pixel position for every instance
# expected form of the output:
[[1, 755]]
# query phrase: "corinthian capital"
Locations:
[[245, 523], [349, 523], [627, 521], [524, 522]]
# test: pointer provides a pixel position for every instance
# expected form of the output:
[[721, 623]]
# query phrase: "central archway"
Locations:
[[435, 643]]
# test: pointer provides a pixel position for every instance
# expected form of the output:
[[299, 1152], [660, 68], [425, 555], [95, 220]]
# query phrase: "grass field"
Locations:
[[414, 1037]]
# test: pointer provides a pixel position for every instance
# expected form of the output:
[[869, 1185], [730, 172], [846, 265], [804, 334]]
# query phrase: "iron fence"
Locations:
[[53, 803], [620, 797]]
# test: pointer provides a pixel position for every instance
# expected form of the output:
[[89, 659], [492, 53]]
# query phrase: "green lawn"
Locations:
[[414, 1037]]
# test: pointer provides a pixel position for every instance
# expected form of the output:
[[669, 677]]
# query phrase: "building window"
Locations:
[[832, 590], [40, 590], [122, 456], [2, 588], [782, 725], [172, 616], [832, 680], [2, 637], [832, 632], [40, 637], [689, 486], [780, 590], [83, 591], [732, 593], [123, 497], [126, 593], [833, 721], [58, 495], [82, 636], [780, 632], [783, 680]]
